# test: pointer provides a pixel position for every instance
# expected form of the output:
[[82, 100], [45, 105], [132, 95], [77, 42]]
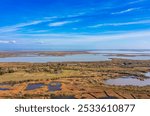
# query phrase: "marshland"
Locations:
[[116, 78]]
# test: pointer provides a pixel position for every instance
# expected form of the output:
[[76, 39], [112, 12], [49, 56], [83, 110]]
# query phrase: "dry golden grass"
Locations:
[[21, 76]]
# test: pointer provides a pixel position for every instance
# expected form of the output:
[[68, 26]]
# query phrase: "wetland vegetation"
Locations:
[[80, 80]]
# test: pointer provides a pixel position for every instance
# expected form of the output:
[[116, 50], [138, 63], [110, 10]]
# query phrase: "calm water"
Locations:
[[147, 74], [4, 89], [128, 81], [54, 86], [123, 51], [69, 58], [34, 86]]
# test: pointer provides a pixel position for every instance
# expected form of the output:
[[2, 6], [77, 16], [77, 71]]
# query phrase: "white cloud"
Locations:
[[7, 42], [125, 11], [75, 28], [17, 26], [28, 24], [137, 1], [81, 39], [56, 24], [121, 24], [20, 25], [76, 15], [130, 35], [75, 38]]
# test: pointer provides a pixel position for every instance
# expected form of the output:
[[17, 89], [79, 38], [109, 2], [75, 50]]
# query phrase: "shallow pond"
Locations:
[[147, 74], [54, 86], [34, 86], [4, 89], [130, 80]]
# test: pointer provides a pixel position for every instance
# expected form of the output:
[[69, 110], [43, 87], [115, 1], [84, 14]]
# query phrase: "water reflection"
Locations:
[[128, 81], [69, 58], [34, 86], [147, 74], [4, 89], [54, 86]]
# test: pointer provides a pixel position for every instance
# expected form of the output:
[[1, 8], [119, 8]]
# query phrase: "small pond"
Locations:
[[4, 89], [129, 80], [147, 74], [54, 86], [34, 86]]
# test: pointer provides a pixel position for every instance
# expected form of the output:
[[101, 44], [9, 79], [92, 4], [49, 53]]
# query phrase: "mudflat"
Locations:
[[73, 80], [4, 54]]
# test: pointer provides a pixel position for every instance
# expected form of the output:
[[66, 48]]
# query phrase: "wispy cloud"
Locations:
[[125, 11], [61, 23], [137, 1], [83, 37], [121, 24], [129, 35], [75, 28], [97, 40], [18, 26], [77, 14], [7, 41], [21, 25], [79, 39]]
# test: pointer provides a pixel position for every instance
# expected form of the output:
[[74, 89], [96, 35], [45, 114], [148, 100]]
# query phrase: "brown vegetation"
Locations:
[[78, 79]]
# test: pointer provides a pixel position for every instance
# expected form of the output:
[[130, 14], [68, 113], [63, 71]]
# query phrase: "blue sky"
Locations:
[[74, 24]]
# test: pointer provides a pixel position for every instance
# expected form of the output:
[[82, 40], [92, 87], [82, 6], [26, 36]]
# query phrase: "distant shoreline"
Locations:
[[6, 54]]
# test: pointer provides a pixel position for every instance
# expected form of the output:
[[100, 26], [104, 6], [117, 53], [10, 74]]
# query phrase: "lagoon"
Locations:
[[70, 58]]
